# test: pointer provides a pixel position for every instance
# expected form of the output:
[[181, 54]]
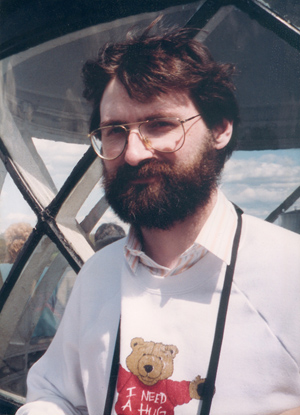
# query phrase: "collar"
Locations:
[[216, 237], [218, 231]]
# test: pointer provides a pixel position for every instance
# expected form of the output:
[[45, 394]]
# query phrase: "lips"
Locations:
[[146, 180]]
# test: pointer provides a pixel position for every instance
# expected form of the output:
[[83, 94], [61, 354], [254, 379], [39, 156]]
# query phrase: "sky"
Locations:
[[257, 181]]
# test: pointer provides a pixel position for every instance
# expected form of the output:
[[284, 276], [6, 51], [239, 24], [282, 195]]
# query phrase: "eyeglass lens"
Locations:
[[163, 134]]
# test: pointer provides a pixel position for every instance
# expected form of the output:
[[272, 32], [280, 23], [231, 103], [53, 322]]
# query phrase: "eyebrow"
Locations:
[[150, 117], [111, 122]]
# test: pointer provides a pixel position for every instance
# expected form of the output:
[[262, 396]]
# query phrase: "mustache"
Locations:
[[144, 170]]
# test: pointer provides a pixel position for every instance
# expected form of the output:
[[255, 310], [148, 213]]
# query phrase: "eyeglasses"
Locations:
[[165, 135]]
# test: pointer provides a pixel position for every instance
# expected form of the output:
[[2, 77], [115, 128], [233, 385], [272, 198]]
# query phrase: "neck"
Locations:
[[166, 246]]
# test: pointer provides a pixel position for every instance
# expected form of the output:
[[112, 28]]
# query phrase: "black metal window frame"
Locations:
[[46, 224]]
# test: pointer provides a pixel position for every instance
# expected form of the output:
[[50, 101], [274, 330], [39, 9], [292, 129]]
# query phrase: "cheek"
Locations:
[[195, 146], [186, 156], [110, 167]]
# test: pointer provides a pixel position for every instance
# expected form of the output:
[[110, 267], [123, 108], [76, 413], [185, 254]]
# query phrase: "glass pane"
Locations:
[[45, 285], [41, 99], [288, 9], [290, 220], [267, 79], [66, 217], [260, 181], [99, 221], [268, 91], [59, 157]]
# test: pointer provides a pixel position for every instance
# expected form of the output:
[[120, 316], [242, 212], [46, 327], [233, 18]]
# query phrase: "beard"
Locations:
[[176, 194]]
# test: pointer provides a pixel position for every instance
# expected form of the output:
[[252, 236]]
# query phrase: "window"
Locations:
[[50, 177]]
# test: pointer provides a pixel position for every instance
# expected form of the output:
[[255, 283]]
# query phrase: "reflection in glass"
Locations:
[[45, 284]]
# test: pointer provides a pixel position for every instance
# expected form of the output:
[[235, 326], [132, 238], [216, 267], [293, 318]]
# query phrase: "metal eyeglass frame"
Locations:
[[144, 139]]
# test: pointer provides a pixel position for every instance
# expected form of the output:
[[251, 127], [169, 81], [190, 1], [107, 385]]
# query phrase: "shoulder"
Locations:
[[102, 272], [268, 265], [107, 258], [266, 240], [268, 274]]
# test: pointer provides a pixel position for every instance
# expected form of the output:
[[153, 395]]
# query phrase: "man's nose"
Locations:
[[136, 149]]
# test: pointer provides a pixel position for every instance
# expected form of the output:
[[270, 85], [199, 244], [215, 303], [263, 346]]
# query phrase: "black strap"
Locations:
[[209, 385]]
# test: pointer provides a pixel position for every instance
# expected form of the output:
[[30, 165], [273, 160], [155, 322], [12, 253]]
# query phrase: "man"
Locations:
[[164, 122]]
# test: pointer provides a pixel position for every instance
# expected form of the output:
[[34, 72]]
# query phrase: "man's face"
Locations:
[[151, 189]]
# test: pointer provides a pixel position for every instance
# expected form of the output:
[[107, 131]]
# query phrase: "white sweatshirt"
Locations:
[[260, 359]]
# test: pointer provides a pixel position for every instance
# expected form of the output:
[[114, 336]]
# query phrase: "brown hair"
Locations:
[[150, 65]]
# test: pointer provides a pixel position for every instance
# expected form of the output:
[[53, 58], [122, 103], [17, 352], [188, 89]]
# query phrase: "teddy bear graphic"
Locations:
[[145, 389]]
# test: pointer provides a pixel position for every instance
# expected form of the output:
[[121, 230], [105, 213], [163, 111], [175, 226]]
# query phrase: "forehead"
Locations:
[[117, 105]]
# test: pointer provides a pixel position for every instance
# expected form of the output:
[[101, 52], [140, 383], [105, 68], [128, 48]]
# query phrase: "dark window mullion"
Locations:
[[19, 180], [48, 216], [77, 173], [254, 9], [48, 227], [45, 218], [52, 231], [26, 251], [205, 12], [270, 20]]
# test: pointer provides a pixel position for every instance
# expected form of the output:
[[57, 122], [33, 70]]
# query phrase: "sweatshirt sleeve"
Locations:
[[55, 381], [47, 408], [73, 374]]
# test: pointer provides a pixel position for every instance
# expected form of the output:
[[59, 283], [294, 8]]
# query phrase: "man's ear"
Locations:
[[222, 133]]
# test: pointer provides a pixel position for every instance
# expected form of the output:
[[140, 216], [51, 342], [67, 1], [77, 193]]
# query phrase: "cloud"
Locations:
[[13, 207], [257, 170], [15, 217], [257, 181], [260, 181]]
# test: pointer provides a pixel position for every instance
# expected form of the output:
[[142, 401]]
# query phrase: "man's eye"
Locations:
[[160, 125], [114, 131], [117, 130]]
